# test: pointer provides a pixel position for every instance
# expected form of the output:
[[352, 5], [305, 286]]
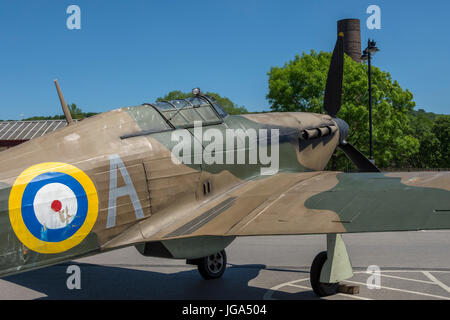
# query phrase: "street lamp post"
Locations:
[[367, 54]]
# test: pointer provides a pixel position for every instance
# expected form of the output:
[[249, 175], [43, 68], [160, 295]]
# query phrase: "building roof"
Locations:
[[27, 130]]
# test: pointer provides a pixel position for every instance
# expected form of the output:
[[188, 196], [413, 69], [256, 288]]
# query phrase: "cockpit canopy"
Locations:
[[176, 114], [183, 113]]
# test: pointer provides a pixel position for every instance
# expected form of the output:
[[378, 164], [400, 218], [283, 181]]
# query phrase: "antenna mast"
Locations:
[[63, 104]]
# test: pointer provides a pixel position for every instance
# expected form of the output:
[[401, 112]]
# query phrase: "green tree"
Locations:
[[229, 106], [441, 130], [300, 86], [75, 112], [429, 155]]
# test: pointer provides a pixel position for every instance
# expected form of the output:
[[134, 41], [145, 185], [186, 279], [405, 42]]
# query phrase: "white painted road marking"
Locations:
[[434, 281], [269, 293], [408, 279], [406, 291]]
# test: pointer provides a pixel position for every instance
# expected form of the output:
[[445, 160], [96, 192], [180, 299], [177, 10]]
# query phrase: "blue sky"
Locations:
[[130, 52]]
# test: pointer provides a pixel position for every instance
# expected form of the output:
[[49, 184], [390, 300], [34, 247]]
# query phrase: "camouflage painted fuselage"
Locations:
[[199, 203], [163, 187]]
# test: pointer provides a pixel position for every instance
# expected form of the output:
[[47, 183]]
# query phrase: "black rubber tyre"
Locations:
[[320, 288], [213, 266]]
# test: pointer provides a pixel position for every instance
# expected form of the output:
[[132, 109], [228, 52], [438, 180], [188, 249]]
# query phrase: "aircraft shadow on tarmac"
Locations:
[[110, 282]]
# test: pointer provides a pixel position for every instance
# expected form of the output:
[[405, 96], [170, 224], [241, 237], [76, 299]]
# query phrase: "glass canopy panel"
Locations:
[[184, 112], [219, 109], [179, 104], [164, 106], [176, 118], [192, 115], [207, 112], [197, 101], [148, 118], [216, 106]]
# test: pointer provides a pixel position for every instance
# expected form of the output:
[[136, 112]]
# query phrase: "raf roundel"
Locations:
[[52, 207]]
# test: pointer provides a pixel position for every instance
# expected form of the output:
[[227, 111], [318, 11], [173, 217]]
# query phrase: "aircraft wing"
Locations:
[[311, 203]]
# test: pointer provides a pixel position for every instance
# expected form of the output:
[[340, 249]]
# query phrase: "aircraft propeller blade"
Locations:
[[332, 105], [333, 89], [361, 162]]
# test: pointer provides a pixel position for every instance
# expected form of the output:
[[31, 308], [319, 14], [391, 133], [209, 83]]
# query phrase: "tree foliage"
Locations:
[[441, 129], [300, 86], [428, 155], [229, 106], [75, 112]]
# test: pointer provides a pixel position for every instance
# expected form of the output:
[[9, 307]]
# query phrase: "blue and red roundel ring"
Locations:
[[52, 207]]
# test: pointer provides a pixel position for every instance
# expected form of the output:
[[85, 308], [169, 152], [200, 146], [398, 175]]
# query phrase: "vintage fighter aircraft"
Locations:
[[121, 179]]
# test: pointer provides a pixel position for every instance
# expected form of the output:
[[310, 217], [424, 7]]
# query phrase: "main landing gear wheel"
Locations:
[[320, 288], [213, 266]]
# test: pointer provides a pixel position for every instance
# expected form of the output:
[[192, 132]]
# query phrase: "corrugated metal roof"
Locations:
[[27, 130]]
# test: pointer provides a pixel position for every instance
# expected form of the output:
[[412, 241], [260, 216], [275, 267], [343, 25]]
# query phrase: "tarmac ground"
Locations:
[[413, 265]]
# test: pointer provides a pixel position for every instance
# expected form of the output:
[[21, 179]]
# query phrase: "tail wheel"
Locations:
[[213, 266], [320, 288]]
